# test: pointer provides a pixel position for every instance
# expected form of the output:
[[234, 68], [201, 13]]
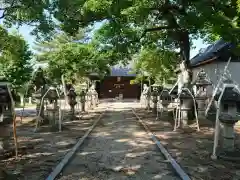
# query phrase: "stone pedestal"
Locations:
[[89, 99], [93, 101], [83, 106], [201, 108], [38, 109], [53, 117], [228, 120], [186, 107], [228, 137], [83, 100], [154, 110], [154, 107], [4, 137]]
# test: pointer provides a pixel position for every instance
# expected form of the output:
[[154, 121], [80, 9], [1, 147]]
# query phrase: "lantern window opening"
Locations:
[[238, 107], [225, 107]]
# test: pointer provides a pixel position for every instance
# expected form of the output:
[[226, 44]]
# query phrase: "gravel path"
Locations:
[[118, 149]]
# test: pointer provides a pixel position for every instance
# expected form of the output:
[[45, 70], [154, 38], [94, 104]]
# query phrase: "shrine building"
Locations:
[[117, 84], [213, 60]]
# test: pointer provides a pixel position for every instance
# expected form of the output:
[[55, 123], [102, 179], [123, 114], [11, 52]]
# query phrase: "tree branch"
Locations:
[[6, 9], [155, 29], [169, 7]]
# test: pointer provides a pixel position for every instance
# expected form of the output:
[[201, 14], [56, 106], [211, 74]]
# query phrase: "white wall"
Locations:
[[214, 71]]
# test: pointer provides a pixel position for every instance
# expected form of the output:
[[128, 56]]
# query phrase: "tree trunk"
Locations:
[[186, 73]]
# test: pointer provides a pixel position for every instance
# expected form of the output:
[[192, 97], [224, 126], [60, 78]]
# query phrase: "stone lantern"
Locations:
[[201, 96], [165, 99], [228, 116], [83, 96], [52, 108], [72, 101], [154, 95], [185, 107], [5, 115]]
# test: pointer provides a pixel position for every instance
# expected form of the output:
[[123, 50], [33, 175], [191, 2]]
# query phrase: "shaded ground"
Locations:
[[117, 149], [41, 151], [193, 149]]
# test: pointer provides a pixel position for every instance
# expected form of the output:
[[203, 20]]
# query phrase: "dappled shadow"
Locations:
[[193, 149], [118, 148], [39, 152]]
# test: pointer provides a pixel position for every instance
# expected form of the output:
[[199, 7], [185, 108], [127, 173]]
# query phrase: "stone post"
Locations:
[[185, 107], [83, 100], [72, 102], [94, 100], [155, 100], [38, 95]]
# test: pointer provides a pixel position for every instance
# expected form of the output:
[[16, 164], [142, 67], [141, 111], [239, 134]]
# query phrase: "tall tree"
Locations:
[[158, 63], [33, 13], [72, 58], [15, 59], [177, 22]]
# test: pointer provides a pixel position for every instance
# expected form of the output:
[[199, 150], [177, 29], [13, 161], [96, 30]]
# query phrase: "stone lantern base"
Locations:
[[53, 116], [233, 156], [4, 136], [186, 107], [227, 150]]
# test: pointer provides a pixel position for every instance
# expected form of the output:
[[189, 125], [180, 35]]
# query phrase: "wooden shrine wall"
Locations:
[[111, 87]]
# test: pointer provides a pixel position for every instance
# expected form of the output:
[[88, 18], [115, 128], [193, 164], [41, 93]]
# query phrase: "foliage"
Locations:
[[71, 58], [127, 26], [34, 13], [14, 59], [174, 22], [157, 63]]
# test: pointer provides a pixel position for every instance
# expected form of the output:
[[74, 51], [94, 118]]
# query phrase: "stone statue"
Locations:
[[145, 96], [94, 95], [145, 89], [92, 88], [183, 77]]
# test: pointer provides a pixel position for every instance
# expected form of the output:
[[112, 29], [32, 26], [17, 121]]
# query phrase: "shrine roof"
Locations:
[[218, 51], [122, 71]]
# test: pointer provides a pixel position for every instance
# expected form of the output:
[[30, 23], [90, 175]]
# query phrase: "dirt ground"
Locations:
[[118, 149], [192, 149], [40, 152]]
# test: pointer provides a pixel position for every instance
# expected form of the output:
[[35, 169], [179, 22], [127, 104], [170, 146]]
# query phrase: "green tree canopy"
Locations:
[[73, 58], [156, 63], [33, 13], [175, 22], [15, 59]]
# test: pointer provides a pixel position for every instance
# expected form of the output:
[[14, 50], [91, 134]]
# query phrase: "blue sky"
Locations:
[[25, 31]]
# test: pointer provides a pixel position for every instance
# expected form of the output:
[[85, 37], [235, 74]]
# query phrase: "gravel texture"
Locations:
[[118, 149]]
